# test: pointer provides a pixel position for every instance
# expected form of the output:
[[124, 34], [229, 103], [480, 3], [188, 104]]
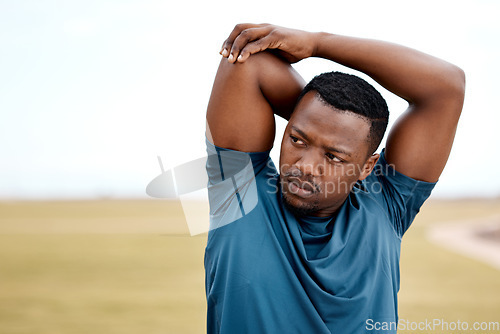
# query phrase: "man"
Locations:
[[315, 248]]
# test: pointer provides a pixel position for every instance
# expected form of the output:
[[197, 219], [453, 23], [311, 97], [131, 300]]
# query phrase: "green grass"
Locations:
[[119, 273], [130, 267], [101, 284], [439, 284]]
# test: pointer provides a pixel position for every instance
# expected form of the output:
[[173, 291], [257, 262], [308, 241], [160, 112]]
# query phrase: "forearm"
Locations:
[[420, 141], [408, 73]]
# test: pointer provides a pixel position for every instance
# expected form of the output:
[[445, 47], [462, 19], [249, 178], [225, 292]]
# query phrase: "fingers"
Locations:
[[226, 46], [238, 46], [244, 39], [259, 45]]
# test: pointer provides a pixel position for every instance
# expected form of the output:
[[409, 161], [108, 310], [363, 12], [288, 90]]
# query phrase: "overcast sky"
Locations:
[[91, 92]]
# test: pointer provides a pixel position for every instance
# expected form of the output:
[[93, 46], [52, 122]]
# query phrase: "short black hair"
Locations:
[[348, 92]]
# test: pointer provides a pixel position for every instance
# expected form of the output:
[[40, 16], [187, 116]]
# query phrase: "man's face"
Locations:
[[323, 153]]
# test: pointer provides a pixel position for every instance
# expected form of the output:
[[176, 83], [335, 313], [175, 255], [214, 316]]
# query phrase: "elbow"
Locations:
[[448, 88], [460, 80], [445, 84], [455, 82]]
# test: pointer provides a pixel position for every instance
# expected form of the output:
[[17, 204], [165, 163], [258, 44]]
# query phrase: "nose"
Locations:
[[309, 164]]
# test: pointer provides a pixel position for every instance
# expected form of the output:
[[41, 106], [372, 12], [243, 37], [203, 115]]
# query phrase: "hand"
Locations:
[[247, 39]]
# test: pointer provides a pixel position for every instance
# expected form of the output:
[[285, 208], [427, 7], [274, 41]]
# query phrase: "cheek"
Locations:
[[288, 157], [330, 186], [338, 180], [283, 154], [351, 172], [341, 172]]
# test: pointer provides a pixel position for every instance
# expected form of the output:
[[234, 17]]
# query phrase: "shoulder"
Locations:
[[386, 179], [398, 195], [237, 183], [225, 162]]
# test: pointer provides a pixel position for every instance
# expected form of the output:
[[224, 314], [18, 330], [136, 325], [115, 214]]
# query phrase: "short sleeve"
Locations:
[[224, 163], [232, 187], [400, 195]]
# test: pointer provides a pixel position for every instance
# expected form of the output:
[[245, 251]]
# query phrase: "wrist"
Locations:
[[318, 43]]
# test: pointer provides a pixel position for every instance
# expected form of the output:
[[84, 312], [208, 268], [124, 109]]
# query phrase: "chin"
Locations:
[[298, 207]]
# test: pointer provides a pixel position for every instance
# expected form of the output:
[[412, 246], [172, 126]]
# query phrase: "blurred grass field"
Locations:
[[130, 266]]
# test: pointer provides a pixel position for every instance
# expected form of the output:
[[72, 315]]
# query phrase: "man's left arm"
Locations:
[[420, 142]]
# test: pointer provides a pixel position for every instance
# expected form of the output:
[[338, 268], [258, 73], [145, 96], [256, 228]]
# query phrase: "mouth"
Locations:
[[300, 188]]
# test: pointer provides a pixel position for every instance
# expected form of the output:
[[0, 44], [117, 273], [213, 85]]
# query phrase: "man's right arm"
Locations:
[[244, 98]]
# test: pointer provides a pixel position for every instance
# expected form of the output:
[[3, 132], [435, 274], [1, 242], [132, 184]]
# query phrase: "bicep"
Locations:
[[420, 141], [244, 98]]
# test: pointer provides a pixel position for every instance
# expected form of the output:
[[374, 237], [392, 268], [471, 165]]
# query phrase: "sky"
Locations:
[[92, 92]]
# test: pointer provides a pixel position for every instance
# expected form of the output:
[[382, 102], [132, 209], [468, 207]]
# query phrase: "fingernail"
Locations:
[[240, 57], [231, 57], [224, 52]]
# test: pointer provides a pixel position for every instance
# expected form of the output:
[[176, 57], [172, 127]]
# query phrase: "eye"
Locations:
[[296, 140], [332, 157]]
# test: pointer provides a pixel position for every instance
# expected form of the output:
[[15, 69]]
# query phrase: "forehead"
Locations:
[[325, 125]]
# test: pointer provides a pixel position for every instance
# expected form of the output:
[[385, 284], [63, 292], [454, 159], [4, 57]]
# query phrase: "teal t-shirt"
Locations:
[[268, 271]]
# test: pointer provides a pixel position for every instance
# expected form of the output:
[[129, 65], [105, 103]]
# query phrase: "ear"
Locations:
[[368, 166]]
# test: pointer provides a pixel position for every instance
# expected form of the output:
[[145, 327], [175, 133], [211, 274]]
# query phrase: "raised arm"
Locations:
[[420, 142], [244, 98]]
